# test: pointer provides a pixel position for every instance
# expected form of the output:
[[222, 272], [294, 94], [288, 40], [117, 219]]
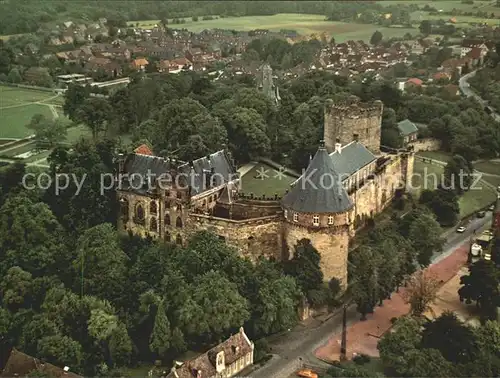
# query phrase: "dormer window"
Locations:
[[330, 220], [315, 220], [295, 217]]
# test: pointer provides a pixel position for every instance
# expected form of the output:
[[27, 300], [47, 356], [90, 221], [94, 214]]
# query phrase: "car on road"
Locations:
[[491, 208], [307, 373], [461, 229]]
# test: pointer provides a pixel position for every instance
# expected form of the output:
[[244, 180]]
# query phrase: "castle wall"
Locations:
[[344, 121], [253, 238], [426, 144], [244, 209], [376, 194]]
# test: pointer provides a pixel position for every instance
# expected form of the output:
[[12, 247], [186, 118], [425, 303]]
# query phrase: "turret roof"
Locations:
[[320, 188]]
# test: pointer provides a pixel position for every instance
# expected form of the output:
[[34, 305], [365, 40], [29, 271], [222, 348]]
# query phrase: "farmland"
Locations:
[[304, 24]]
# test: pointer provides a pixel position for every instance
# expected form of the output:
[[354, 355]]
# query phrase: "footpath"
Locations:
[[363, 336]]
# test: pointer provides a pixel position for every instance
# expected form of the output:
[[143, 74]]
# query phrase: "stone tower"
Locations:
[[353, 120], [266, 84], [319, 209]]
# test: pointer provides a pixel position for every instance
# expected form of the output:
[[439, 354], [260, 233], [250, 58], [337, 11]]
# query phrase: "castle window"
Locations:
[[167, 220], [124, 209], [178, 222], [286, 214], [167, 193], [167, 204], [179, 195], [167, 237], [316, 220], [178, 239], [139, 214], [330, 220], [153, 224], [295, 217], [153, 208]]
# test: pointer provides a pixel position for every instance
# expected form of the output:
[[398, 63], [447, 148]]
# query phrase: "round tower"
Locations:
[[318, 208]]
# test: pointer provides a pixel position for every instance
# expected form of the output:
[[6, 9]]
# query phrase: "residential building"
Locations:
[[408, 131]]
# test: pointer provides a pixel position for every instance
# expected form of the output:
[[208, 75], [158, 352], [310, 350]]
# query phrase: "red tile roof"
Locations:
[[415, 81], [143, 150]]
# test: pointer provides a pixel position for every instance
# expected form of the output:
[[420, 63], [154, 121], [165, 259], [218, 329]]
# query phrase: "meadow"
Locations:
[[304, 24]]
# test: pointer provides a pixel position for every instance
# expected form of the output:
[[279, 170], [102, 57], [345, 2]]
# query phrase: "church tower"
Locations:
[[318, 208], [266, 84]]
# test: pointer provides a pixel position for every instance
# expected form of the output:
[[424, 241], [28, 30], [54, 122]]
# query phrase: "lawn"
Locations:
[[13, 96], [251, 183], [13, 121], [19, 150], [427, 176], [304, 24], [491, 167], [76, 133]]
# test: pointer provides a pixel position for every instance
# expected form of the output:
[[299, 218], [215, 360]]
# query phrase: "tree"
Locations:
[[365, 288], [305, 268], [74, 97], [482, 286], [48, 133], [213, 307], [101, 264], [425, 235], [60, 351], [376, 38], [30, 237], [455, 340], [11, 179], [95, 113], [40, 326], [458, 174], [14, 76], [15, 287], [160, 337], [443, 203], [421, 292], [425, 27], [120, 346]]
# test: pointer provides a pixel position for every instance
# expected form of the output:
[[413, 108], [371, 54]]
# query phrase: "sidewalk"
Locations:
[[363, 336]]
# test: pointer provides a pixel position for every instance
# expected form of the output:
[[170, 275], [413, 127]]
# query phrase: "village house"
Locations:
[[408, 131], [225, 360], [469, 44], [19, 364], [139, 64]]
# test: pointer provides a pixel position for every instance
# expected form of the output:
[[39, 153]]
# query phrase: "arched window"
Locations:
[[167, 204], [167, 220], [178, 222], [153, 224], [124, 208], [178, 239], [167, 237], [139, 214], [330, 220], [295, 217], [153, 208]]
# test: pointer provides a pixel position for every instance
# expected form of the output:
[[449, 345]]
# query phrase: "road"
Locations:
[[468, 92], [299, 344]]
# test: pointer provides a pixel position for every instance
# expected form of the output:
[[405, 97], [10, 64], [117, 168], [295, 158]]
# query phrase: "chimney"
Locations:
[[338, 146], [355, 137]]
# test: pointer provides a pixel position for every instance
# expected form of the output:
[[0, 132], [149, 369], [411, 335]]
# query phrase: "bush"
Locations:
[[361, 359], [261, 350]]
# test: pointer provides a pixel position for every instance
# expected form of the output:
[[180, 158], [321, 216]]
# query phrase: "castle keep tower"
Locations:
[[266, 84], [318, 208], [353, 120]]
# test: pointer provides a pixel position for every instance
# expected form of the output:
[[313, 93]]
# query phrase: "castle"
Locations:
[[347, 182]]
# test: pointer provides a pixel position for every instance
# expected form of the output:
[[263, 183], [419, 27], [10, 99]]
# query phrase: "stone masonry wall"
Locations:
[[332, 244], [343, 121], [255, 238]]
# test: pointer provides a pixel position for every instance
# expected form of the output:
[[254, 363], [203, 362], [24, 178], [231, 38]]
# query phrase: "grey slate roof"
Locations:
[[196, 175], [407, 127], [352, 158], [320, 189]]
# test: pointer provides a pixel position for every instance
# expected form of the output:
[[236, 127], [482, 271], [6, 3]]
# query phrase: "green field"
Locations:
[[13, 121], [427, 176], [252, 183], [12, 97], [304, 24], [491, 167]]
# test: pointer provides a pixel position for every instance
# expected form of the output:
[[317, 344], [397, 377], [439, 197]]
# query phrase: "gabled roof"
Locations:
[[235, 347], [407, 127], [143, 150], [351, 158], [20, 365], [320, 189]]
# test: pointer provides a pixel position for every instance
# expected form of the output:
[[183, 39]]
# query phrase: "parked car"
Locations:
[[481, 214], [461, 229], [307, 373], [491, 208]]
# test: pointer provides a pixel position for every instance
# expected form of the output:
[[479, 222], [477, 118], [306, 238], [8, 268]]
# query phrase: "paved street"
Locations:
[[467, 91], [301, 342]]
